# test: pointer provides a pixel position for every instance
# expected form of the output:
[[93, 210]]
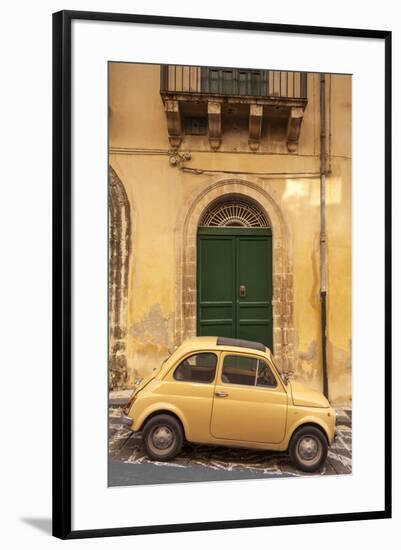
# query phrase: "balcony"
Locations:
[[197, 98]]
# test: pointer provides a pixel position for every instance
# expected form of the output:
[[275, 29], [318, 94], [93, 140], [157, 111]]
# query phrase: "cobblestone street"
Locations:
[[129, 465]]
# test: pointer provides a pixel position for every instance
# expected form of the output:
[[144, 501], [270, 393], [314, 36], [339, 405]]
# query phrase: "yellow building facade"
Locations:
[[190, 147]]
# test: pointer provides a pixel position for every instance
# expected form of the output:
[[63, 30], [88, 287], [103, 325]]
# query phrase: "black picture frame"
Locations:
[[62, 429]]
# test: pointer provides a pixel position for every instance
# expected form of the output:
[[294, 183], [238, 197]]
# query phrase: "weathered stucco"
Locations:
[[119, 257], [149, 337], [166, 203]]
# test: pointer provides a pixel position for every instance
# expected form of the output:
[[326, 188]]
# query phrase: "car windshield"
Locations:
[[171, 356], [156, 370]]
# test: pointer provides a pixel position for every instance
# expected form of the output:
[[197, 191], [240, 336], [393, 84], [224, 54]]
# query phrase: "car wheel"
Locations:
[[162, 437], [308, 449]]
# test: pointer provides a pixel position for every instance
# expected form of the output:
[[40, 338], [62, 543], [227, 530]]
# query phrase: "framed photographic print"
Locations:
[[221, 282]]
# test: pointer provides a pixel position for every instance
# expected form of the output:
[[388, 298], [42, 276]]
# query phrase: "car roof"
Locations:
[[238, 343]]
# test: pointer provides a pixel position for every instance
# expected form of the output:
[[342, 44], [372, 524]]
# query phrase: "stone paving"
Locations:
[[125, 447]]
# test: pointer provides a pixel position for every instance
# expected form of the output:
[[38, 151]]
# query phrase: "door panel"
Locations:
[[216, 279], [254, 289], [230, 258], [248, 413], [189, 387]]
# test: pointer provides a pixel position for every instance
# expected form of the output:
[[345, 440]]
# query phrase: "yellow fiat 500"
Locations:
[[224, 391]]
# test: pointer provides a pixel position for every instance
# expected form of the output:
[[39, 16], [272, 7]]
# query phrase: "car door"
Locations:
[[189, 389], [250, 402]]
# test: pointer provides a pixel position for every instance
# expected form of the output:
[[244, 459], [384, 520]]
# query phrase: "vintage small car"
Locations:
[[224, 391]]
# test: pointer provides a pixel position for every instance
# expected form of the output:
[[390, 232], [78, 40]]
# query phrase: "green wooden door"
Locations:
[[234, 283]]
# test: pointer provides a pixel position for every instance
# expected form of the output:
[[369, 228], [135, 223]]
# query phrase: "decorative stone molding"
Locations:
[[255, 126], [192, 90], [172, 110], [119, 257], [295, 108], [237, 210], [214, 121], [187, 226], [294, 128]]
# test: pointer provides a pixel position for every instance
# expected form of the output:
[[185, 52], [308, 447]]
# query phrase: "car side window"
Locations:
[[265, 376], [200, 367], [239, 369]]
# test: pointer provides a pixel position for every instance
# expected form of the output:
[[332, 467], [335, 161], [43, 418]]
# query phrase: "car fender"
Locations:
[[310, 419], [162, 408]]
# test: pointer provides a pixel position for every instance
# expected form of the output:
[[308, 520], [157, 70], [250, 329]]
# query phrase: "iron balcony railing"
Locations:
[[233, 82]]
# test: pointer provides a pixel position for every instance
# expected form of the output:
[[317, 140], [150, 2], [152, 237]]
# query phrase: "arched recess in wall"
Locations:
[[119, 257], [283, 321], [234, 288]]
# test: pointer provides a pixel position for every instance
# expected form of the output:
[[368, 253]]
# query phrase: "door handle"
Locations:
[[242, 291], [221, 394]]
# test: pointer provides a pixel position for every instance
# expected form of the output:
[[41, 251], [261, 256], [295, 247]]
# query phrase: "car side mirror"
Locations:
[[286, 376]]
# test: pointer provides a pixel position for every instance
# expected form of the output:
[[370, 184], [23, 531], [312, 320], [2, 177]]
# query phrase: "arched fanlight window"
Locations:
[[234, 211]]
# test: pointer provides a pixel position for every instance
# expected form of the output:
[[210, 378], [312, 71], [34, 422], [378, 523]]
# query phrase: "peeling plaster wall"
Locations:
[[159, 196], [150, 340], [120, 232]]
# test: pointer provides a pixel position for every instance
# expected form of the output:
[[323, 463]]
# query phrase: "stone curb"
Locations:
[[119, 398], [343, 420], [118, 402]]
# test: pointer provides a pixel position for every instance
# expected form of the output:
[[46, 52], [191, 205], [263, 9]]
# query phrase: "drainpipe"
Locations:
[[323, 239]]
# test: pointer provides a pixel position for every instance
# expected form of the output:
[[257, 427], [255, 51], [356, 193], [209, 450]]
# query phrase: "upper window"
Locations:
[[234, 210], [239, 369], [200, 367], [247, 371], [225, 81], [195, 126]]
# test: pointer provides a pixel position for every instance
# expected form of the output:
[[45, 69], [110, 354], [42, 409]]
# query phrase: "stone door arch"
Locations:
[[283, 323]]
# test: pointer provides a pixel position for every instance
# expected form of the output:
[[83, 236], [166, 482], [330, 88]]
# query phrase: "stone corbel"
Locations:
[[172, 110], [214, 121], [255, 126], [294, 128]]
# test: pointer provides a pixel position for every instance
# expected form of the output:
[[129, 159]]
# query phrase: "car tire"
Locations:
[[162, 437], [308, 449]]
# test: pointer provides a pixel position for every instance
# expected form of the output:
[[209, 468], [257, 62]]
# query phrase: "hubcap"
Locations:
[[308, 448], [162, 437]]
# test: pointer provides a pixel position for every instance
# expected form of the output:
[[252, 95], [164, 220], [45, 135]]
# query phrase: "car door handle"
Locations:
[[221, 394]]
